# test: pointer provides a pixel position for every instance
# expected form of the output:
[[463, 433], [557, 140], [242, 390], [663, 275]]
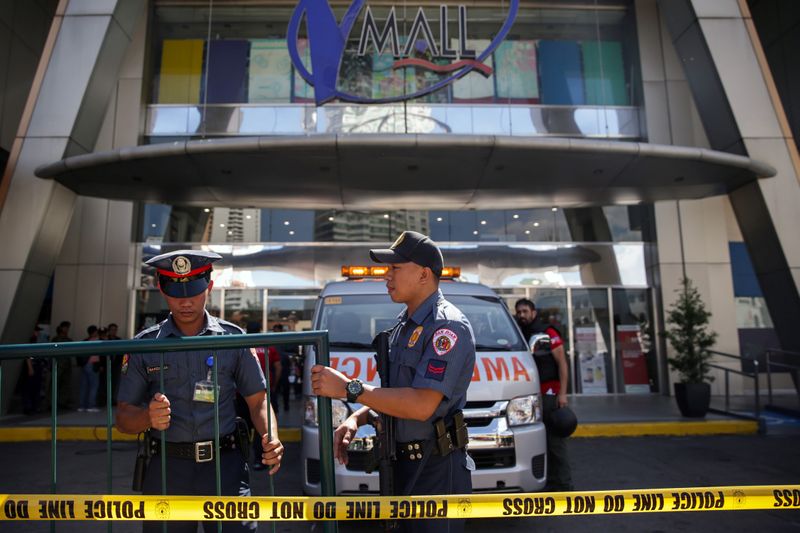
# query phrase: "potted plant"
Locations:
[[690, 337]]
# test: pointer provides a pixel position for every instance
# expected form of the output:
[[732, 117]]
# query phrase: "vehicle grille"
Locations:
[[537, 466], [502, 458], [312, 471]]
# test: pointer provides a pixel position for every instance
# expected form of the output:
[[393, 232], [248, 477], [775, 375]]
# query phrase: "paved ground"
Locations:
[[602, 463]]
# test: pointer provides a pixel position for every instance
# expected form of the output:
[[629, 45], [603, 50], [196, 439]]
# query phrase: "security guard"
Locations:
[[184, 409], [431, 361]]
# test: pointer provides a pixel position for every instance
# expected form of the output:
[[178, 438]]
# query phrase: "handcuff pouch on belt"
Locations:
[[244, 439], [143, 454], [453, 437]]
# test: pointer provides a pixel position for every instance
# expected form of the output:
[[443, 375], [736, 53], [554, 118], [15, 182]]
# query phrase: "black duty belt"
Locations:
[[199, 452], [414, 450]]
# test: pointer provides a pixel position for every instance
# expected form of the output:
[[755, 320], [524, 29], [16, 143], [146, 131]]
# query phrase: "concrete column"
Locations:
[[95, 272], [76, 76], [692, 235], [742, 113]]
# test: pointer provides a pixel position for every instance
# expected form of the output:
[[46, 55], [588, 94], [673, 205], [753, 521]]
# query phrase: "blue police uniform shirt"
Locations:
[[192, 421], [434, 348]]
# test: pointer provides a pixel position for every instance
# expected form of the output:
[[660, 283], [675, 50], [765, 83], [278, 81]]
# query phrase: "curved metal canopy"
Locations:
[[404, 172]]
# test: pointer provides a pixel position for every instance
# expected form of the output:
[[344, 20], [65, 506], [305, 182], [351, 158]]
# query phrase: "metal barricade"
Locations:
[[56, 351], [753, 375]]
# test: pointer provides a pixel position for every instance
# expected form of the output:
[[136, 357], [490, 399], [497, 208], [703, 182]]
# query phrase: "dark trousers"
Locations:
[[559, 473], [186, 477], [441, 475]]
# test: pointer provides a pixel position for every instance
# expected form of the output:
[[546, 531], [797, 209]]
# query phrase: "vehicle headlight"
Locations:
[[339, 412], [524, 410]]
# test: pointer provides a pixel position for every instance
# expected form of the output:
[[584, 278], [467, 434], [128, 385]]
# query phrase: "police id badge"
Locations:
[[204, 390]]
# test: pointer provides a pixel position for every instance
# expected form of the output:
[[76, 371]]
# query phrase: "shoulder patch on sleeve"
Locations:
[[444, 340], [435, 369]]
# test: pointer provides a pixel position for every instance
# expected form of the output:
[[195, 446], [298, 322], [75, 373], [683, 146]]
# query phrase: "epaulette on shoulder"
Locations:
[[447, 311], [152, 331], [230, 327]]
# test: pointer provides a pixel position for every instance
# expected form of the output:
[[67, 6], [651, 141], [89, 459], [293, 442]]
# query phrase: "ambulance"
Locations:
[[503, 411]]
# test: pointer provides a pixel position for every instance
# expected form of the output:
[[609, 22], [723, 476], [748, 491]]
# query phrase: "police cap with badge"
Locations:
[[412, 247], [184, 273]]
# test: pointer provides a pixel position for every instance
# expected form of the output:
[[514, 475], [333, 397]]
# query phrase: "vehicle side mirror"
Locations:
[[539, 342]]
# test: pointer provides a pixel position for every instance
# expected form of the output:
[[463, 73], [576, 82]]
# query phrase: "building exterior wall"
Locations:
[[97, 272]]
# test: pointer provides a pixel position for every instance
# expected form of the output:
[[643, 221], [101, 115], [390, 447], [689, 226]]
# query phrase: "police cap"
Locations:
[[412, 247], [183, 273]]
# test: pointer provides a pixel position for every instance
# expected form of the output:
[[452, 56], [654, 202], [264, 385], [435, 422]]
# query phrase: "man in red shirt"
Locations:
[[554, 378]]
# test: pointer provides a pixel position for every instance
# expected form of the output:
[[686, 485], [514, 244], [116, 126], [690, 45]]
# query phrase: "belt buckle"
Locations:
[[203, 451]]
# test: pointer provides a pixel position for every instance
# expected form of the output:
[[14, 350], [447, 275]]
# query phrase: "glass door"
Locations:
[[636, 360], [592, 362]]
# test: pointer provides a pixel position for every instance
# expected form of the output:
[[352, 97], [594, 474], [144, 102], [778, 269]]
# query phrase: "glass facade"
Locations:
[[565, 68], [568, 69], [575, 53], [168, 224]]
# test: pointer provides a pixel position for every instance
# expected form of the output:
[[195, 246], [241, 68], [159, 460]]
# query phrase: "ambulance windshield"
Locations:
[[353, 321]]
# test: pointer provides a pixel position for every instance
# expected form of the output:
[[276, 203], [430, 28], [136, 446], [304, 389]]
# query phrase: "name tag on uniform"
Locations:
[[204, 391]]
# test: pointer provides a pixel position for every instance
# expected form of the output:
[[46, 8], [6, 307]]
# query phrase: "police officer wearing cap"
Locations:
[[184, 409], [431, 361]]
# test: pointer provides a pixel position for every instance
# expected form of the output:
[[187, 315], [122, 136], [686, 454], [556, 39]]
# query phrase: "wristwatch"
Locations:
[[354, 389]]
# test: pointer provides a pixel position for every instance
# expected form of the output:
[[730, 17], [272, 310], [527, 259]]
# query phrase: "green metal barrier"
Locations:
[[54, 351]]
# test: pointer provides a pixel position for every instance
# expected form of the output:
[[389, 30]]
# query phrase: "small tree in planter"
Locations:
[[688, 333]]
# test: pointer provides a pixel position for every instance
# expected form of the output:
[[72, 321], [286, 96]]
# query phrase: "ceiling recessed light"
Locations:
[[230, 233], [554, 209], [386, 215], [152, 225], [515, 216], [248, 217], [483, 222], [285, 222], [206, 210], [330, 219], [222, 225], [527, 232], [475, 232], [438, 219], [535, 224], [291, 232]]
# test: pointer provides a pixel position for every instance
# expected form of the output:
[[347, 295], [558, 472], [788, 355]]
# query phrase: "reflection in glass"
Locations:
[[294, 313], [635, 346], [245, 308], [593, 369]]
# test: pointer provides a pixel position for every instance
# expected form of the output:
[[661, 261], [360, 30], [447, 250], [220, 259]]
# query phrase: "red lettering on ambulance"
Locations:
[[519, 369], [499, 368]]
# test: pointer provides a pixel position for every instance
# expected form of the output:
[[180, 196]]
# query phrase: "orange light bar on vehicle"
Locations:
[[354, 271], [451, 272]]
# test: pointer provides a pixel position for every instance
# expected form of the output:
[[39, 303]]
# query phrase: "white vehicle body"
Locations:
[[506, 434]]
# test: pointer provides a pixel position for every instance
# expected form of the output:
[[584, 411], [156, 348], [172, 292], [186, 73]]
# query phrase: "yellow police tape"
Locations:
[[103, 507]]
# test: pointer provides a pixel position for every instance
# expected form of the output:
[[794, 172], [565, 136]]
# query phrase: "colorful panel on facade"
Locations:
[[474, 87], [604, 73], [270, 71], [181, 71], [517, 77], [227, 69], [560, 73]]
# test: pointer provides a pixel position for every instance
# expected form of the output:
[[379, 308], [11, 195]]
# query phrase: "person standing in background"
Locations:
[[64, 365], [89, 377]]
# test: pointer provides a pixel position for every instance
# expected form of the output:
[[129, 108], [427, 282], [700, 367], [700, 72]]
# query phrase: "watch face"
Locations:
[[354, 387]]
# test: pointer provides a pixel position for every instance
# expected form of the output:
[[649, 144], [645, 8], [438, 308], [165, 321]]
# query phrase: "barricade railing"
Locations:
[[791, 367], [752, 375], [108, 349]]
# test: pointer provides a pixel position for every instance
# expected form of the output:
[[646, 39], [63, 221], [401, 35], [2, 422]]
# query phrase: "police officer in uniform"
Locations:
[[184, 409], [431, 361]]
